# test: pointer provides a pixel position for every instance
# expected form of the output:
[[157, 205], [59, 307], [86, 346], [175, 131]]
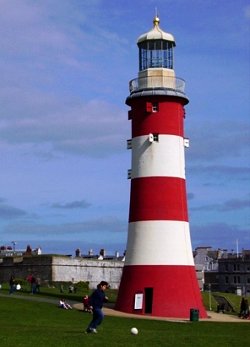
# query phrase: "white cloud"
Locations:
[[227, 206], [72, 205], [65, 67], [218, 140], [219, 235], [10, 212], [47, 55], [95, 128], [104, 225], [247, 11]]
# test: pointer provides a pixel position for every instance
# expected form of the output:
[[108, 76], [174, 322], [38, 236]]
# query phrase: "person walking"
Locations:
[[33, 285], [12, 284], [96, 301]]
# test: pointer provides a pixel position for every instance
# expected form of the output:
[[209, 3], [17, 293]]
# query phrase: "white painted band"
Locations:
[[159, 243], [163, 158]]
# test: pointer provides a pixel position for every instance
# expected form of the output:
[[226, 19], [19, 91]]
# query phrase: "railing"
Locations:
[[156, 82]]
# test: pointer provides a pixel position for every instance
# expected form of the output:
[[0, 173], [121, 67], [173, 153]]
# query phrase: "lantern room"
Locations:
[[156, 48]]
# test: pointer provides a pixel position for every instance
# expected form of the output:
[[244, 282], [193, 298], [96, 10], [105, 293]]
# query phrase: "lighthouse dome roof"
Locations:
[[156, 33]]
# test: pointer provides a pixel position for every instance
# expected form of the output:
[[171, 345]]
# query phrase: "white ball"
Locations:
[[18, 287], [134, 331]]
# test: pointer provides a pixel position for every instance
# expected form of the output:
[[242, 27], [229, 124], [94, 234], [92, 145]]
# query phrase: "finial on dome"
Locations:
[[156, 20]]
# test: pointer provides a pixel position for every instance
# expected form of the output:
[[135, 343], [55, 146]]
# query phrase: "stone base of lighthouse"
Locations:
[[164, 291]]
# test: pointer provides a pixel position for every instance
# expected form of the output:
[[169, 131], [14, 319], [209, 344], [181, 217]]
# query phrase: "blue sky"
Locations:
[[65, 67]]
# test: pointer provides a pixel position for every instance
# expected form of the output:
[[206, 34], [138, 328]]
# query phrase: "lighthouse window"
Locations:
[[155, 54], [156, 137], [152, 107], [155, 107]]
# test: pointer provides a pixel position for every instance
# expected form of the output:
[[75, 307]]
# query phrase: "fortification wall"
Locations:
[[93, 271], [62, 269], [22, 266]]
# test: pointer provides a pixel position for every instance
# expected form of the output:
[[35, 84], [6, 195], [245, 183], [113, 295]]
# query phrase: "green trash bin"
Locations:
[[194, 315]]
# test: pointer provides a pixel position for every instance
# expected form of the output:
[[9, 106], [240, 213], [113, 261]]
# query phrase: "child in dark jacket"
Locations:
[[96, 301]]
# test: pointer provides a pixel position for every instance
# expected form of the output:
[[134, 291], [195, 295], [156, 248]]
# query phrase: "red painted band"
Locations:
[[167, 120], [168, 291], [158, 198]]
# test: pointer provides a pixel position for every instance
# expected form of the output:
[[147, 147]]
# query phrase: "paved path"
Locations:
[[212, 316], [110, 311]]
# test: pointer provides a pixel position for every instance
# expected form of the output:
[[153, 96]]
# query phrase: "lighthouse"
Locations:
[[159, 277]]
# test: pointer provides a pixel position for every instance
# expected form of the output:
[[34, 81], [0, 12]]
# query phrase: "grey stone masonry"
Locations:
[[50, 268]]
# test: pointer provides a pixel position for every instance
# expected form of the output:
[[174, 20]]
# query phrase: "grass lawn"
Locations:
[[27, 323]]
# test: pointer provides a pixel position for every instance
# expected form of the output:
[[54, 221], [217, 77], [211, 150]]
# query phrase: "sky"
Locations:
[[65, 66]]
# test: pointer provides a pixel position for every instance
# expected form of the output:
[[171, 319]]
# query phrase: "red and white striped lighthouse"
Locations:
[[159, 275]]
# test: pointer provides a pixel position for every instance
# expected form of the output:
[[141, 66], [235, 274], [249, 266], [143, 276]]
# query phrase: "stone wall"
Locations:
[[91, 270], [22, 266], [51, 268]]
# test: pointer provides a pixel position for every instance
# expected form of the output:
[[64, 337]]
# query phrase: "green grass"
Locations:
[[205, 297], [26, 323], [82, 289], [54, 291], [233, 299]]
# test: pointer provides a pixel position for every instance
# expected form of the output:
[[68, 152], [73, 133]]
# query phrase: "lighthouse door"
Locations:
[[148, 300]]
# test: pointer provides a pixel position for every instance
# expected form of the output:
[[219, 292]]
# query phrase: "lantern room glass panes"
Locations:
[[155, 54]]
